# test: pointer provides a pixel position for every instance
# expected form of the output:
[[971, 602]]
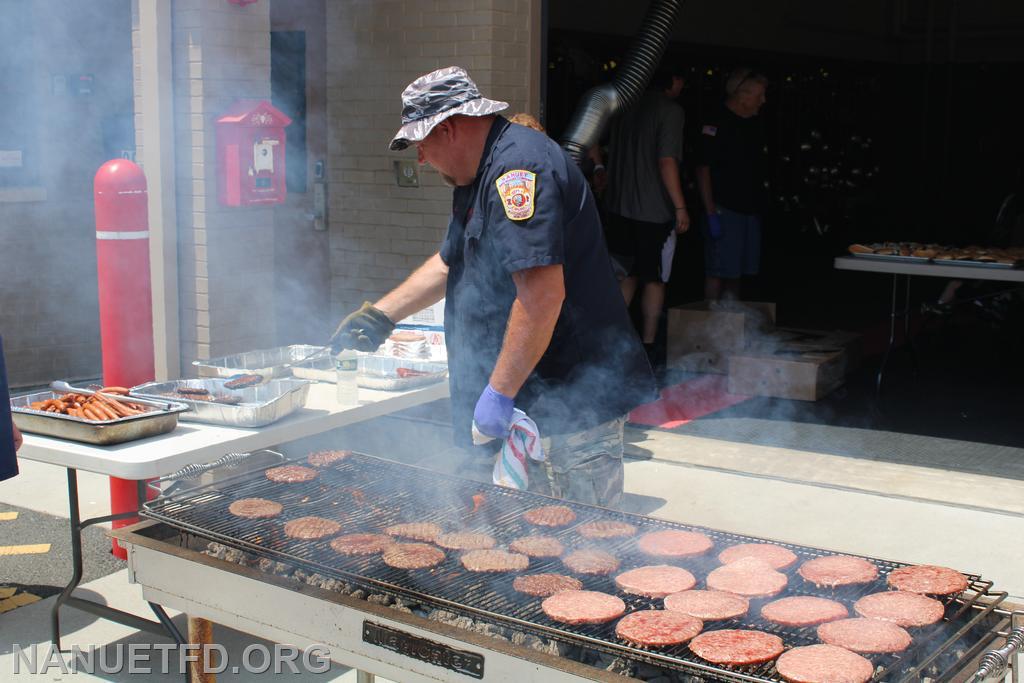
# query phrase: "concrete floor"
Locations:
[[892, 511]]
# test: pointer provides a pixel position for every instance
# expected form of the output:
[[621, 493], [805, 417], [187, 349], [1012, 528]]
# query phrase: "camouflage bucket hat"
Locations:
[[432, 98]]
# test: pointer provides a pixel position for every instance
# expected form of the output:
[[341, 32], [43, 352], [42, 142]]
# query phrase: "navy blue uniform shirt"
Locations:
[[8, 460], [595, 368], [734, 148]]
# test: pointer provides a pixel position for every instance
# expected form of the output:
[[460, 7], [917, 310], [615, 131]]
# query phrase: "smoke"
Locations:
[[67, 103]]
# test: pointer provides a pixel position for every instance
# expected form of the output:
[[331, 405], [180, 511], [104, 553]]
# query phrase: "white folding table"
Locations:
[[193, 443], [907, 269]]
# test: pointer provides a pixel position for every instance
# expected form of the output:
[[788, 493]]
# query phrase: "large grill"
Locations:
[[366, 494]]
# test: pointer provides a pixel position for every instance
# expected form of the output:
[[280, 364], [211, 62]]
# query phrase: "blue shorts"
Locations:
[[737, 251]]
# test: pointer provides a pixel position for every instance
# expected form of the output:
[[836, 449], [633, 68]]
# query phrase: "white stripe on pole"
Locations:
[[110, 235]]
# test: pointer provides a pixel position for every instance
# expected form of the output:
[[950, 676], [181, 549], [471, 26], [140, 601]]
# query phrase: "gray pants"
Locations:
[[583, 466]]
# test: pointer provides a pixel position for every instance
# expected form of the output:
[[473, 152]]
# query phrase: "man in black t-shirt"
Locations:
[[731, 173], [533, 314]]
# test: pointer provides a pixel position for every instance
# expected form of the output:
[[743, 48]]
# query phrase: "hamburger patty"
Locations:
[[492, 560], [325, 458], [537, 546], [255, 508], [674, 543], [749, 577], [736, 647], [291, 474], [550, 515], [583, 607], [865, 635], [464, 540], [838, 570], [775, 555], [803, 610], [412, 556], [708, 605], [928, 579], [606, 528], [901, 608], [361, 544], [824, 664], [591, 561], [544, 585], [311, 528], [417, 531], [657, 628], [655, 581]]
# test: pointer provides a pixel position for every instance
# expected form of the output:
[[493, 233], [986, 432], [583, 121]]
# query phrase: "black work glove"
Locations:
[[362, 330]]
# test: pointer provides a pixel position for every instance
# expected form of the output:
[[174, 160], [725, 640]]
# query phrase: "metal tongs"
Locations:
[[317, 354]]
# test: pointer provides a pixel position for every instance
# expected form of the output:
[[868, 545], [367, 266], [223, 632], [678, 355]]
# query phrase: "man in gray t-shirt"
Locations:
[[644, 197]]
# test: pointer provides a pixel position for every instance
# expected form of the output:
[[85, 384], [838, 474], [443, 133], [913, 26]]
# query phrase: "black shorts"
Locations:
[[638, 247]]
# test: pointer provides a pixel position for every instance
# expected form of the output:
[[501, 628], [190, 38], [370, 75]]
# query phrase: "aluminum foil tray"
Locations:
[[159, 421], [386, 373], [260, 405], [270, 363]]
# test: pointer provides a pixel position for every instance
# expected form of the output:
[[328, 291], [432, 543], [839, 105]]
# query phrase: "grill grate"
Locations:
[[367, 494]]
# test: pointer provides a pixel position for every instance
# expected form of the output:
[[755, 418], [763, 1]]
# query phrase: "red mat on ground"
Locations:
[[688, 401]]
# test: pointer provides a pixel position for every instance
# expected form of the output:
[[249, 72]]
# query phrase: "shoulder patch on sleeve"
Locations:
[[517, 190], [710, 130]]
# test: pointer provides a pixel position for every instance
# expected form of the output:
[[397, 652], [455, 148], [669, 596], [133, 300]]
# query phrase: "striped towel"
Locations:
[[510, 465]]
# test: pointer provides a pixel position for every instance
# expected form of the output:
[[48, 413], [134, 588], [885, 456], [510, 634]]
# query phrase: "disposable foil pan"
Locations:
[[270, 363], [388, 373], [260, 405], [161, 420]]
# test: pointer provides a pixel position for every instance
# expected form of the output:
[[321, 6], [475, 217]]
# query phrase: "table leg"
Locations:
[[76, 558], [908, 339], [76, 525], [364, 677], [892, 336]]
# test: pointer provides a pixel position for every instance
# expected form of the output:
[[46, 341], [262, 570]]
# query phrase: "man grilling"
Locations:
[[533, 314]]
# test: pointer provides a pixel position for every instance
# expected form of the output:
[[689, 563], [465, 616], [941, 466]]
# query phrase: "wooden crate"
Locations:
[[701, 337], [786, 373]]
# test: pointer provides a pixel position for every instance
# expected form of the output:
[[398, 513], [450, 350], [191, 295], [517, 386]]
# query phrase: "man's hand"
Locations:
[[17, 437], [363, 330], [682, 220], [493, 413], [714, 225]]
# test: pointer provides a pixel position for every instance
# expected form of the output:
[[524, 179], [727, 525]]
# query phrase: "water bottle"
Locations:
[[346, 366]]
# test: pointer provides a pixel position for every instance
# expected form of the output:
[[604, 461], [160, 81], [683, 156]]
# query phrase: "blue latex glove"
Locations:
[[493, 413], [714, 225]]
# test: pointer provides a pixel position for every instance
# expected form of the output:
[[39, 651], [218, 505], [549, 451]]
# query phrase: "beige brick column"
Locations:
[[221, 54], [380, 231]]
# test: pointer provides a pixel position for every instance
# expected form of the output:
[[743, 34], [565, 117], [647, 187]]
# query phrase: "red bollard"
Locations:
[[126, 307]]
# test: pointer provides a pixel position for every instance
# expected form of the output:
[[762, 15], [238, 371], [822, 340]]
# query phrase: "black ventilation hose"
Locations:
[[600, 103]]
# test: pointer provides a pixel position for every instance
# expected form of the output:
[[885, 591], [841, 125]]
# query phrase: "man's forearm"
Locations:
[[669, 170], [704, 181], [535, 311], [424, 287]]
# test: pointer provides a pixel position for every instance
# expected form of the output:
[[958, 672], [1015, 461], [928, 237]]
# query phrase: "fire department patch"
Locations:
[[517, 190]]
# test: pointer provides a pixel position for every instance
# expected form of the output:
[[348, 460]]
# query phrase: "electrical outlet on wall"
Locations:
[[406, 173]]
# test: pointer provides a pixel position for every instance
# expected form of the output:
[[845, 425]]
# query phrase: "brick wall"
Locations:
[[221, 54], [379, 232], [49, 315]]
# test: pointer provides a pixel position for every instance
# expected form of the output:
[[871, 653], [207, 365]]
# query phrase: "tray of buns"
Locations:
[[915, 252]]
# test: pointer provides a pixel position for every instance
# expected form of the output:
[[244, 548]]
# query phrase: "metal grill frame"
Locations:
[[351, 480]]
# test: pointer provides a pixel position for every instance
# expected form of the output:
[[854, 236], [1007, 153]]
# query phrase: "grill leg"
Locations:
[[364, 677], [200, 633]]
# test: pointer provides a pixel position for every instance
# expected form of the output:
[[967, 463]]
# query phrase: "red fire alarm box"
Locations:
[[251, 153]]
